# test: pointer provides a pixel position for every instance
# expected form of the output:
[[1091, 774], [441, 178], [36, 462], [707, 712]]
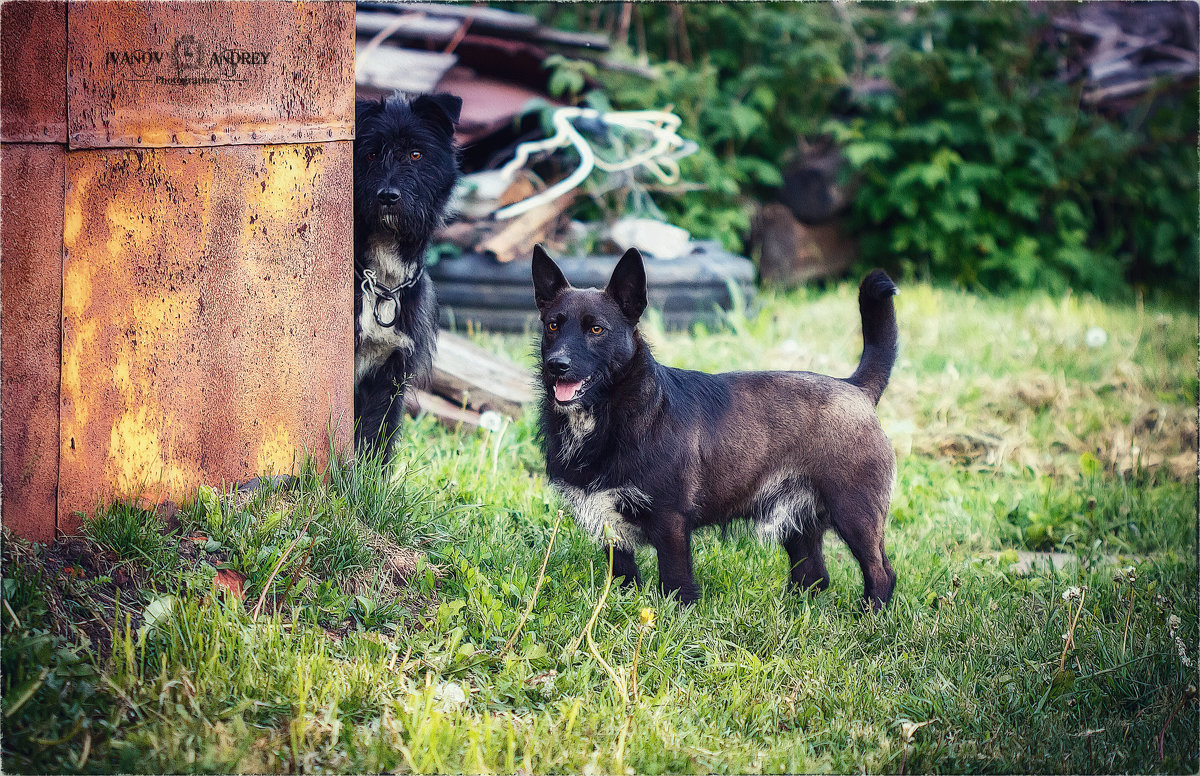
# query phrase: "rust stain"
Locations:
[[188, 73], [33, 69], [32, 202], [206, 335]]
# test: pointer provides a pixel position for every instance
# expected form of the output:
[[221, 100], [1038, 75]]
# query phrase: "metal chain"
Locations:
[[370, 287]]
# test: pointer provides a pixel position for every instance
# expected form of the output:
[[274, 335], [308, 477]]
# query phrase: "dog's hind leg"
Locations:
[[860, 524], [807, 559]]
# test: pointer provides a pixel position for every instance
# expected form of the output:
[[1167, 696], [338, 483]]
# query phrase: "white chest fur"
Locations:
[[595, 509], [377, 343], [580, 423]]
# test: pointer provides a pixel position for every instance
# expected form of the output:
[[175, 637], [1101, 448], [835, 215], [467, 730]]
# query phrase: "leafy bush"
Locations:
[[764, 75], [983, 168], [979, 167]]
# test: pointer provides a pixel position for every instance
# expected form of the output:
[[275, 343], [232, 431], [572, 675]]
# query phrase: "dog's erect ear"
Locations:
[[548, 279], [628, 285], [365, 109], [441, 110]]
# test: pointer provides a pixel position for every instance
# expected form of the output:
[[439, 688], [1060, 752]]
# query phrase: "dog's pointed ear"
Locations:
[[628, 285], [440, 109], [548, 279]]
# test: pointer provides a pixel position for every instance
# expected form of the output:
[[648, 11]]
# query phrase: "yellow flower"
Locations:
[[647, 617]]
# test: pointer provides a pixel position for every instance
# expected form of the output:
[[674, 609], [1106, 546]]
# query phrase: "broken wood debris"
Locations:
[[517, 237], [1129, 48], [469, 381]]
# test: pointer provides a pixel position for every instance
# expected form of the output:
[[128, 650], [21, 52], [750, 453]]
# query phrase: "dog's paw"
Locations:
[[685, 595]]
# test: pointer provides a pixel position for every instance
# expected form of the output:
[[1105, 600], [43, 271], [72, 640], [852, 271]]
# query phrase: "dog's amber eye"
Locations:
[[597, 330], [372, 156], [414, 155], [552, 326]]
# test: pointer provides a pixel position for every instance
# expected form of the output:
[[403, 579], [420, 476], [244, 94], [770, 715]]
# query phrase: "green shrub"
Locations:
[[980, 167], [763, 75], [985, 169]]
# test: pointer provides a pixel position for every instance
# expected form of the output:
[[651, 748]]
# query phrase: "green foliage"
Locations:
[[985, 169], [131, 533], [980, 168], [567, 76], [50, 686], [764, 76]]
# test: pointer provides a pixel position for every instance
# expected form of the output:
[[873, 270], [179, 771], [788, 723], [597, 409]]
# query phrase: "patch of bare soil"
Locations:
[[81, 583]]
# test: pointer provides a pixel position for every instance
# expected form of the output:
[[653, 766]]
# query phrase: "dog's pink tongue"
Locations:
[[565, 391]]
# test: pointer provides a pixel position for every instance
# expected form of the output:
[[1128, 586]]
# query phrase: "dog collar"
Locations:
[[371, 287]]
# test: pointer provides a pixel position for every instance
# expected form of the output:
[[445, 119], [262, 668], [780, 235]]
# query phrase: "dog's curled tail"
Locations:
[[879, 334]]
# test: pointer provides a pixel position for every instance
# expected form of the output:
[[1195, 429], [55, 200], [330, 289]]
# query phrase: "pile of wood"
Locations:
[[513, 238], [1122, 50], [469, 381], [413, 46]]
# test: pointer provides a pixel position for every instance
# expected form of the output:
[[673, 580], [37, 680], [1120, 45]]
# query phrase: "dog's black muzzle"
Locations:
[[558, 366]]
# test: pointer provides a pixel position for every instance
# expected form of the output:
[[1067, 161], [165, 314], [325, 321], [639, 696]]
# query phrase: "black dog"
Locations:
[[405, 166], [656, 452]]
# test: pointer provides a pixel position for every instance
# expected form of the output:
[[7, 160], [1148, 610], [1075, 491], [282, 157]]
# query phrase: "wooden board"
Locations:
[[468, 375], [390, 68], [518, 236], [447, 413]]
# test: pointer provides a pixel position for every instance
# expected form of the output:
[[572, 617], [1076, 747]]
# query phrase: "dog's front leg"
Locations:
[[673, 542], [624, 568]]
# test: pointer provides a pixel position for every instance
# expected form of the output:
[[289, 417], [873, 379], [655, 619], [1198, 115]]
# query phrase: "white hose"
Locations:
[[660, 159]]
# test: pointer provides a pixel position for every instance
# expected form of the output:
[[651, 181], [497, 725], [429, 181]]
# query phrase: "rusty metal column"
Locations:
[[207, 241], [33, 137]]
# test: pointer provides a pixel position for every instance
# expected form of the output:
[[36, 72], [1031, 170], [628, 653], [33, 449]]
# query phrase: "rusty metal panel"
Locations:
[[155, 74], [33, 71], [206, 326], [31, 280]]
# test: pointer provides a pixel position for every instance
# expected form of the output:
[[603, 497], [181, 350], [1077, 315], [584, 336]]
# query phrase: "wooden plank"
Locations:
[[518, 237], [447, 413], [371, 23], [389, 67], [485, 18], [466, 374]]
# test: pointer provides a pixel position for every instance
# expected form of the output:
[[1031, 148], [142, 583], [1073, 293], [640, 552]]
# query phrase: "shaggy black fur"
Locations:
[[405, 166], [656, 452]]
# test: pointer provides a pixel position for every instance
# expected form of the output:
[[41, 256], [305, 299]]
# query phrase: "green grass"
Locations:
[[125, 530], [1012, 435]]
